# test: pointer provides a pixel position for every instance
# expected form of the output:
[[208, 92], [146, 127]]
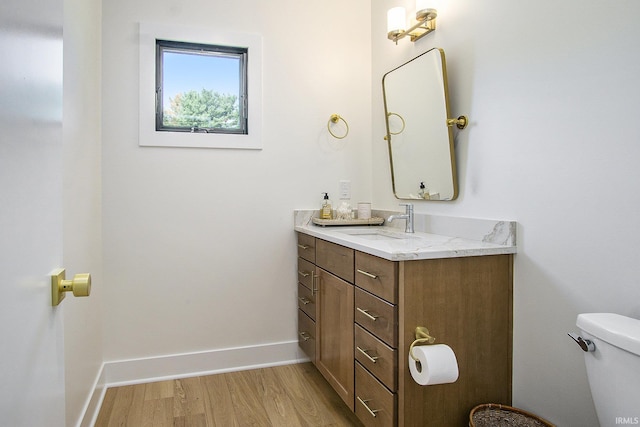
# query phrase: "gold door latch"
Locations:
[[80, 285]]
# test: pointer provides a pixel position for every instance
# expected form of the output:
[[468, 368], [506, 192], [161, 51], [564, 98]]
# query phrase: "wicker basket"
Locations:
[[510, 417]]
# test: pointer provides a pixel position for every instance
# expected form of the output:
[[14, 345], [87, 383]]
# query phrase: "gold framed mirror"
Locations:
[[419, 134]]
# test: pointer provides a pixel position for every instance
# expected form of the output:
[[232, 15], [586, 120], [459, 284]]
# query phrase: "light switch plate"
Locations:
[[345, 189]]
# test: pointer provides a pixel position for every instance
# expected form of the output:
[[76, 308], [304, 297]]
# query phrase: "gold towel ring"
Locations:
[[401, 119], [335, 119]]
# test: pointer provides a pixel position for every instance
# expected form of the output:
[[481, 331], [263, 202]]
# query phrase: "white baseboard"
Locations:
[[94, 402], [158, 368], [136, 371]]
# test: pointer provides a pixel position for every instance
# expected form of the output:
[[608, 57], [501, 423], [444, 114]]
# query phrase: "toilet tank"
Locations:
[[613, 368]]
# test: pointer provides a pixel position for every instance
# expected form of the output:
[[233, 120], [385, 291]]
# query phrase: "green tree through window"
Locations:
[[204, 109]]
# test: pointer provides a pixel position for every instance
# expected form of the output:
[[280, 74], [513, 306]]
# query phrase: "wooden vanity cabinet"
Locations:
[[363, 332], [465, 303], [327, 290], [307, 307]]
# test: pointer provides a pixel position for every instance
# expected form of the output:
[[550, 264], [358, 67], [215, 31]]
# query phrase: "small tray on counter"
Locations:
[[355, 221]]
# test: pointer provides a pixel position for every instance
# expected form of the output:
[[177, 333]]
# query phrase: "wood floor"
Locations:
[[291, 395]]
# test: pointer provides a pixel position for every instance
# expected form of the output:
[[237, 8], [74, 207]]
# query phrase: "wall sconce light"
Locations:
[[396, 22]]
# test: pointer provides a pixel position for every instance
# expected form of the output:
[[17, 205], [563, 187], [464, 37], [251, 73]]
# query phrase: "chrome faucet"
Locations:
[[408, 215]]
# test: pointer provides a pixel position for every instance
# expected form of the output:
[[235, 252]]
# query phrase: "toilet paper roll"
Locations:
[[437, 364]]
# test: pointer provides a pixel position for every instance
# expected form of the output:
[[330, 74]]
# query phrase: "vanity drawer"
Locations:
[[375, 405], [307, 335], [336, 259], [306, 301], [379, 359], [305, 273], [378, 276], [307, 247], [377, 316]]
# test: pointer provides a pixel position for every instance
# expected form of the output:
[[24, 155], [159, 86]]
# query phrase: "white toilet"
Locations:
[[612, 355]]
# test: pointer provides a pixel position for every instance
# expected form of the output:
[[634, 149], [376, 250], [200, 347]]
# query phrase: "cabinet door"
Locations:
[[334, 323], [377, 316], [375, 405], [307, 301], [307, 335], [336, 259], [305, 274], [307, 247], [378, 276]]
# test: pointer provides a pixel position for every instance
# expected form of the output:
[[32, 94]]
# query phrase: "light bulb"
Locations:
[[396, 20]]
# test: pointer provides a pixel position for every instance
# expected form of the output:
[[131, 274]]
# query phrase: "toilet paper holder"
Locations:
[[422, 337]]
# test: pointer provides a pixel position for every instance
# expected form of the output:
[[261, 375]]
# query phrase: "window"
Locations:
[[201, 88], [208, 48]]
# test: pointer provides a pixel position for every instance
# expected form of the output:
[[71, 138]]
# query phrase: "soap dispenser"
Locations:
[[325, 207], [424, 192]]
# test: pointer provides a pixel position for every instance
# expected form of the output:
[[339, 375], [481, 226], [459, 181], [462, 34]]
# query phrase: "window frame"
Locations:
[[147, 134], [189, 48]]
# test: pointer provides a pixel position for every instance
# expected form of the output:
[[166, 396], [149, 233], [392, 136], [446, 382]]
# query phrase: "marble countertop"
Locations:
[[435, 236]]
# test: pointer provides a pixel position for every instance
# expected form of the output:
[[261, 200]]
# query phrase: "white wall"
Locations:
[[82, 201], [552, 92], [199, 249]]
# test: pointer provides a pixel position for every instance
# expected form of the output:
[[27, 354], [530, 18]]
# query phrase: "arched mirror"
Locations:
[[419, 133]]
